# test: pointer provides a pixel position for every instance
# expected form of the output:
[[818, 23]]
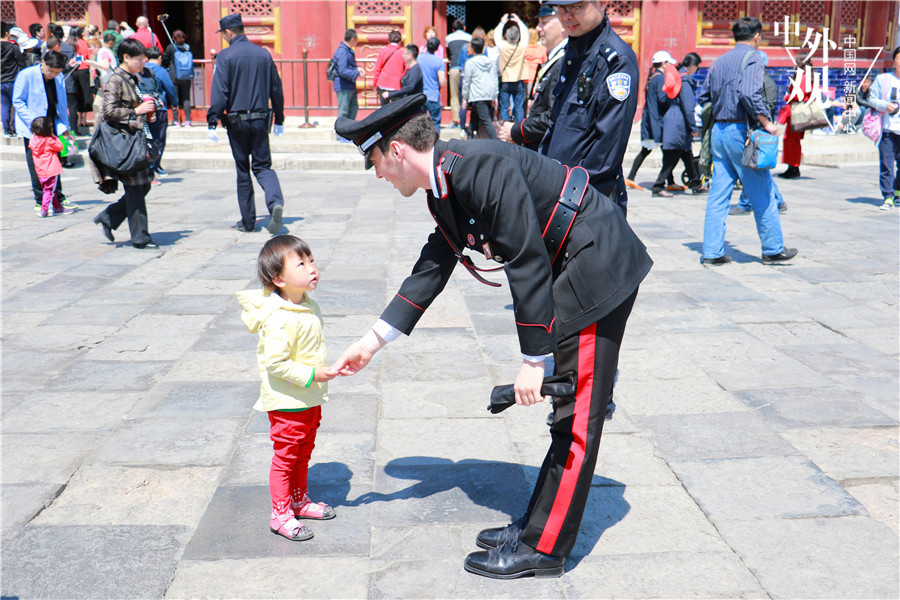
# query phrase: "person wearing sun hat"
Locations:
[[573, 266]]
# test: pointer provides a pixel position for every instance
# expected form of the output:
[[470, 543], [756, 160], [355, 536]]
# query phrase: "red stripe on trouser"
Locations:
[[587, 343]]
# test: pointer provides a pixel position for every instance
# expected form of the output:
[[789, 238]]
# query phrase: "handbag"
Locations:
[[760, 150], [121, 150], [871, 125], [559, 386], [806, 116]]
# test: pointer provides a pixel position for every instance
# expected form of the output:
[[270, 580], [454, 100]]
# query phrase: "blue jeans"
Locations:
[[516, 89], [6, 92], [889, 156], [744, 201], [727, 149], [347, 103], [433, 108]]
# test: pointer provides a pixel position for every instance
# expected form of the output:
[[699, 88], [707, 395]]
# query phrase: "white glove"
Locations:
[[213, 136], [278, 130]]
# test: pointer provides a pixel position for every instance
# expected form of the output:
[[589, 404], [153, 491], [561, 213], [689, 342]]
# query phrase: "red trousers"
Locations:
[[792, 150], [293, 436]]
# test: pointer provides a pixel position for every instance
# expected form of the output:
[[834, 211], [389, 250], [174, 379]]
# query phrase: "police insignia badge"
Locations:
[[471, 239], [619, 85]]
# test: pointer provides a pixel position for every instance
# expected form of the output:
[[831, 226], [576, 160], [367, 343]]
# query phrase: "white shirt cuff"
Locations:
[[386, 331], [534, 358]]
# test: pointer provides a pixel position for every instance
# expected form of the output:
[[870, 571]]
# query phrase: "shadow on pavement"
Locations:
[[736, 255], [502, 487], [865, 200]]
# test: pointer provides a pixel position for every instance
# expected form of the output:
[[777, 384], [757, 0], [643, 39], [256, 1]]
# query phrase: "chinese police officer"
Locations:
[[244, 81]]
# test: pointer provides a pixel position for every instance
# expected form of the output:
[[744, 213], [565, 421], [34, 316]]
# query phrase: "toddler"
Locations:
[[45, 149], [291, 358]]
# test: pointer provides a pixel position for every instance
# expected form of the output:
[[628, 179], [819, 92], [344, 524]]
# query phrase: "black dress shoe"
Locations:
[[107, 230], [151, 245], [68, 165], [514, 560], [240, 227], [721, 260], [790, 173], [786, 254], [275, 220], [497, 536]]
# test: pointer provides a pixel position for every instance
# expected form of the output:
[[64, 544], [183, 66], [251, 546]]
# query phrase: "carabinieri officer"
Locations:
[[244, 81], [573, 266], [596, 98]]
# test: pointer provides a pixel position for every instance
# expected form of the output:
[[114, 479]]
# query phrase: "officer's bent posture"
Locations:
[[573, 267], [244, 80]]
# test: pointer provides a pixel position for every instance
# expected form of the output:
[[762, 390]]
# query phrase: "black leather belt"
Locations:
[[564, 212], [249, 116]]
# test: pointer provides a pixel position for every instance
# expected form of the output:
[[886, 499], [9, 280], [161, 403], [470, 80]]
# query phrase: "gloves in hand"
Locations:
[[213, 136], [278, 130]]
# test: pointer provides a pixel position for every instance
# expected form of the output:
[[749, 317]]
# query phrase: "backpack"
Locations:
[[672, 86], [184, 63], [149, 85], [331, 73]]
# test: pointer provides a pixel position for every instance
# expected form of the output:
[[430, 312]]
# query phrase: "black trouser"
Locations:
[[158, 131], [73, 103], [482, 124], [639, 160], [251, 138], [36, 186], [560, 494], [670, 161], [133, 206]]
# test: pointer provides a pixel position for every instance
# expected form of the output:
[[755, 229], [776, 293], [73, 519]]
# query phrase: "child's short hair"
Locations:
[[42, 126], [270, 262]]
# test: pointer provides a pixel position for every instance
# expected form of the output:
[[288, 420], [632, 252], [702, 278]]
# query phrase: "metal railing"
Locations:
[[305, 85]]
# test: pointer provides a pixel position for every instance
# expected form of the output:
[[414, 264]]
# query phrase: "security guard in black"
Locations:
[[245, 80]]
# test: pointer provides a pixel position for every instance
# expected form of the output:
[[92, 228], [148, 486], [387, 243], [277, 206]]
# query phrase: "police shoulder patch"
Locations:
[[619, 85]]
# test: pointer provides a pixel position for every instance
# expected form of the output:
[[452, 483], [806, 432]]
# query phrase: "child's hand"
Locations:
[[324, 374]]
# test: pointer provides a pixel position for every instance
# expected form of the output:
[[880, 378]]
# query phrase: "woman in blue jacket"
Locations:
[[679, 128], [651, 118]]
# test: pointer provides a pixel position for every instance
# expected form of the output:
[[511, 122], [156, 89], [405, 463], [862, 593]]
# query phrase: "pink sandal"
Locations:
[[292, 530], [306, 509]]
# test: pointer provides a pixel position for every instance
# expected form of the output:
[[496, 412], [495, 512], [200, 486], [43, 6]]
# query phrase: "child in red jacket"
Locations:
[[45, 149]]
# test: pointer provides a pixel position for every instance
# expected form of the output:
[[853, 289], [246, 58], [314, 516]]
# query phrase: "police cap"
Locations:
[[547, 10], [230, 22], [381, 123], [560, 2]]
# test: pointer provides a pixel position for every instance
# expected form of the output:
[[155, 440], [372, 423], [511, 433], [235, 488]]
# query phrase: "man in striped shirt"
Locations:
[[734, 85]]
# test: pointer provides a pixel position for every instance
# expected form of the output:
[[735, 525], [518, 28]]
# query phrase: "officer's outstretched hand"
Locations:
[[528, 383], [213, 136], [357, 356], [278, 130]]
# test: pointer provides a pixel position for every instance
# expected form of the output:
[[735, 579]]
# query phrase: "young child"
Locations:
[[291, 358], [45, 149]]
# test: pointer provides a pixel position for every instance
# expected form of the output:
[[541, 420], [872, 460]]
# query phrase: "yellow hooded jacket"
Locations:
[[291, 346]]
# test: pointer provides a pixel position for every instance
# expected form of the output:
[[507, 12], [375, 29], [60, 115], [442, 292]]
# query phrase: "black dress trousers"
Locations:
[[251, 140], [557, 504]]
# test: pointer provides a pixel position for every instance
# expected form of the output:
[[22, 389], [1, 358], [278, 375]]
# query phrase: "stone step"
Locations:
[[319, 149]]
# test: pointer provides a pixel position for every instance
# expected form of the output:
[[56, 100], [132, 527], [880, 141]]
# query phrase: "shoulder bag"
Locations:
[[808, 115], [873, 121], [120, 149]]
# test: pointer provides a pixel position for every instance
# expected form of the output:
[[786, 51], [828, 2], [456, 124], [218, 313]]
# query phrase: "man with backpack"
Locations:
[[156, 82]]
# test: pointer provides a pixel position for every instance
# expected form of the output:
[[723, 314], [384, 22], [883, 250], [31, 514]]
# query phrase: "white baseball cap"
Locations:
[[663, 56], [31, 43]]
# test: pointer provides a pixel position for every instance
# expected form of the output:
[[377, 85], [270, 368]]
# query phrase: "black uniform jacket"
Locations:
[[530, 131], [497, 201], [594, 133], [244, 80]]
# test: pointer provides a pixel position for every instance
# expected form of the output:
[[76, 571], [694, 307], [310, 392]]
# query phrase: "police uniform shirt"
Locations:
[[244, 80], [530, 131], [593, 132], [495, 199]]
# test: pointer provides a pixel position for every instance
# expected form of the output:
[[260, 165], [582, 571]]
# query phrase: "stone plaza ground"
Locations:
[[753, 453]]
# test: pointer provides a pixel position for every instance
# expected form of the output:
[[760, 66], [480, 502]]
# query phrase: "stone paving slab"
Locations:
[[91, 561], [846, 557], [755, 432]]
